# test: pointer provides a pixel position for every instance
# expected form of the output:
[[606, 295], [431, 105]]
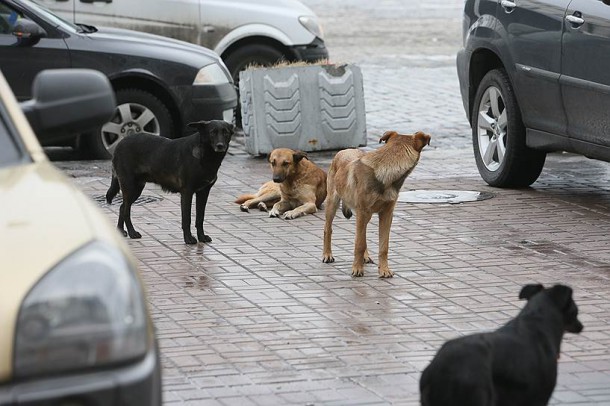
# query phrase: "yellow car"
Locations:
[[74, 324]]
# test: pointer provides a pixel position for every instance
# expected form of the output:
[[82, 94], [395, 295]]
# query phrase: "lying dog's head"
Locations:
[[284, 163], [418, 140], [215, 134], [561, 297]]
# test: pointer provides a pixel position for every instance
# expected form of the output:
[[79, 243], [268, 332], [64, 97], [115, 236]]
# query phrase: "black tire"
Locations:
[[241, 58], [498, 135], [101, 143]]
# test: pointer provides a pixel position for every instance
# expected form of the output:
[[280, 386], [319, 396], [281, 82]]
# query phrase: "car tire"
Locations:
[[241, 58], [498, 135], [137, 111]]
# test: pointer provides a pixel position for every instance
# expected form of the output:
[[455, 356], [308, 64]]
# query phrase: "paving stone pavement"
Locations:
[[256, 318]]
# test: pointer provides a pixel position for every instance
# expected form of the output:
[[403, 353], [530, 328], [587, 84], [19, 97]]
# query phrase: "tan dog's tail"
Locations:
[[242, 199]]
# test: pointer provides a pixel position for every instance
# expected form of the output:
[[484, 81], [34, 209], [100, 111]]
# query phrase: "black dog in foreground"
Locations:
[[515, 365], [187, 165]]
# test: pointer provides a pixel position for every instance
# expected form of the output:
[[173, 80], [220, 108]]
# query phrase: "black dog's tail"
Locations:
[[113, 189], [347, 212]]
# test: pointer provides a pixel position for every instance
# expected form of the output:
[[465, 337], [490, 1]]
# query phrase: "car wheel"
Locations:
[[137, 111], [498, 135], [241, 58]]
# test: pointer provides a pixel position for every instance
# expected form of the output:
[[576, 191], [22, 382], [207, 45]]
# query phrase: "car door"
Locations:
[[171, 18], [533, 30], [20, 61], [585, 80]]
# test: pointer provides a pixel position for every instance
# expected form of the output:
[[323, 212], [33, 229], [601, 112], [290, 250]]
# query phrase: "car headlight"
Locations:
[[312, 25], [87, 311], [212, 75]]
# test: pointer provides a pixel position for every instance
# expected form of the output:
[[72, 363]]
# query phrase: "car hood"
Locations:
[[43, 218], [152, 40]]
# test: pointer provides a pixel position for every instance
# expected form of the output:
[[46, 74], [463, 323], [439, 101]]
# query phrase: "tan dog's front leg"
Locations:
[[280, 208], [307, 208], [332, 204], [362, 219], [385, 222]]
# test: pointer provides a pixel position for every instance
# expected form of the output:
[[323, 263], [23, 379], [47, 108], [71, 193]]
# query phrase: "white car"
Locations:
[[74, 323], [242, 32]]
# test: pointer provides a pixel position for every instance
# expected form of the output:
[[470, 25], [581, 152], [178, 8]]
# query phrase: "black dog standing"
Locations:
[[515, 365], [187, 165]]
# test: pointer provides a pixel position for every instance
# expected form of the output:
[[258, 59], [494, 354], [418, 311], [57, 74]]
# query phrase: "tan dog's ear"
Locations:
[[421, 140], [387, 135], [298, 155]]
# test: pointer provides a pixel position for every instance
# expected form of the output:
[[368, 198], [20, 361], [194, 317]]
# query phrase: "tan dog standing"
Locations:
[[369, 183], [300, 183]]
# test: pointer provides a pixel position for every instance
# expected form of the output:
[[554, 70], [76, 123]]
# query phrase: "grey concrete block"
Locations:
[[311, 108]]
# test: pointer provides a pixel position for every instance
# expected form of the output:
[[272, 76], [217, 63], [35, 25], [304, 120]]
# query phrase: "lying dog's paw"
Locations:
[[189, 239], [289, 215], [262, 206], [328, 258], [135, 235], [274, 213], [204, 238], [243, 207]]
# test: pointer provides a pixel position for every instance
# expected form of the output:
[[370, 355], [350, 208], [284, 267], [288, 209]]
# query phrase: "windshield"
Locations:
[[49, 16]]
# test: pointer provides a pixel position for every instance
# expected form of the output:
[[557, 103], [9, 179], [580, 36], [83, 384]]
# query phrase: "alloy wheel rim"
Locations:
[[492, 128], [129, 118]]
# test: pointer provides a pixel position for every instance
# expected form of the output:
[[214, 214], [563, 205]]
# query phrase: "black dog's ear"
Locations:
[[562, 295], [530, 290], [298, 155], [198, 124]]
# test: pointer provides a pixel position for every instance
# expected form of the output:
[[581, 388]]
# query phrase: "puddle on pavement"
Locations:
[[201, 282], [144, 199], [443, 196]]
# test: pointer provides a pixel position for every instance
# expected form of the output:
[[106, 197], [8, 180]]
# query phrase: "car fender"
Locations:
[[252, 30]]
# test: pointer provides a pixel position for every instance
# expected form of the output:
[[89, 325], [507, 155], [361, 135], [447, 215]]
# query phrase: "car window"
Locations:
[[8, 19], [51, 18]]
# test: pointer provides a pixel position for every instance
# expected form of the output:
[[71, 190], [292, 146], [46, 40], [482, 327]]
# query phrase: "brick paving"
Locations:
[[256, 318]]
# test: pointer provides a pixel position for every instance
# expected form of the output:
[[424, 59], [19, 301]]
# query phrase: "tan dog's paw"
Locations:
[[368, 260], [385, 273], [357, 271], [262, 206], [243, 207], [292, 214], [328, 258], [274, 212]]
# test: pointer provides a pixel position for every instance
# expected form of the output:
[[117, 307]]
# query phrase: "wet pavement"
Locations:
[[256, 318]]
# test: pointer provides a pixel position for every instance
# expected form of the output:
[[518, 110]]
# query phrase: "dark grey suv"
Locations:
[[535, 78]]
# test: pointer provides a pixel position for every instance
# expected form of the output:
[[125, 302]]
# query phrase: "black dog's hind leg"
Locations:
[[186, 201], [201, 202], [130, 195], [121, 222], [113, 190]]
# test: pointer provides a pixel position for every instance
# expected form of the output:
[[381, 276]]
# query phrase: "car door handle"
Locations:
[[508, 5], [575, 20]]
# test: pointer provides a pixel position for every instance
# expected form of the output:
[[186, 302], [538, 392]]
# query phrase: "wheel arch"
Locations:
[[259, 40], [149, 84], [482, 61]]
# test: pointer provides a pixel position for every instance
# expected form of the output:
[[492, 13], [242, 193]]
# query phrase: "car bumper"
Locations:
[[312, 52], [206, 102], [136, 384], [462, 61]]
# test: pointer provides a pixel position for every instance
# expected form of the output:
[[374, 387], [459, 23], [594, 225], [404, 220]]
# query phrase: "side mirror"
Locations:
[[28, 33], [68, 101]]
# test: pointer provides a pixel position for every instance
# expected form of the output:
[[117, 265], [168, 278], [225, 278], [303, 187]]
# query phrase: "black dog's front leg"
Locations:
[[186, 200], [201, 202]]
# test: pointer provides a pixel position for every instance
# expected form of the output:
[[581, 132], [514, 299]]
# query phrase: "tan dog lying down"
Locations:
[[369, 183], [298, 187]]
